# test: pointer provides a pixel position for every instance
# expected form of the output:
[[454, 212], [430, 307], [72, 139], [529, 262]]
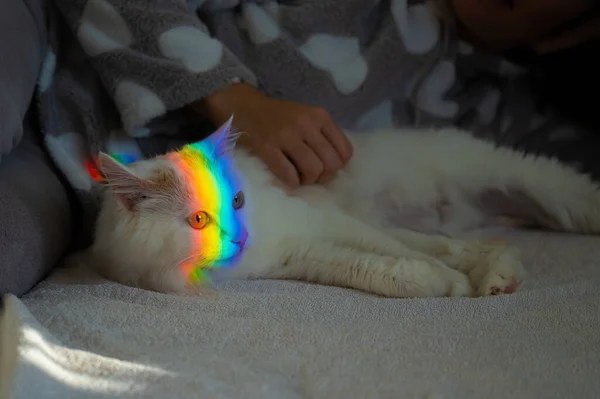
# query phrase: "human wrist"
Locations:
[[220, 105]]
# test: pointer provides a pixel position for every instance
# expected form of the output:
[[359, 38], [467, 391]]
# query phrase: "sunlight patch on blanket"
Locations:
[[55, 366]]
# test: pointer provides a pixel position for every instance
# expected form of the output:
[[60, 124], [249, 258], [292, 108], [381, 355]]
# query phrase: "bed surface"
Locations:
[[81, 337]]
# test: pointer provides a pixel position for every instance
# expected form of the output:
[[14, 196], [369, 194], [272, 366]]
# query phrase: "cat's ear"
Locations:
[[222, 141], [129, 188]]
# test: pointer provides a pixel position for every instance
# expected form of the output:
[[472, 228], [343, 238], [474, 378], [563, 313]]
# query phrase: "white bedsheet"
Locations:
[[88, 338]]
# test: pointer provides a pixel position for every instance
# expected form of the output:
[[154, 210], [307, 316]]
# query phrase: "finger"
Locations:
[[282, 167], [308, 164], [571, 38], [331, 160], [338, 140], [326, 176]]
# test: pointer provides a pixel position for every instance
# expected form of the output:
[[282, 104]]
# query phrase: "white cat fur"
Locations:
[[337, 234]]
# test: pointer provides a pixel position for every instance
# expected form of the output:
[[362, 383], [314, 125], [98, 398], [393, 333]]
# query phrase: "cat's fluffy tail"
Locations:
[[533, 190]]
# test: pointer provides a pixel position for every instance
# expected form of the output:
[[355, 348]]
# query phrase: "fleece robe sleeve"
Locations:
[[153, 56]]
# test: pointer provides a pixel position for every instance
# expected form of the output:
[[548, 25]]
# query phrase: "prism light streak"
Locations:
[[212, 190], [210, 181]]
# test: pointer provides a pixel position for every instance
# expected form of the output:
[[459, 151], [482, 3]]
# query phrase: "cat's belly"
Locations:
[[426, 217], [432, 214]]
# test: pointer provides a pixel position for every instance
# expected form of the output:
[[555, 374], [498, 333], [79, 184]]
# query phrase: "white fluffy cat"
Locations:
[[353, 232]]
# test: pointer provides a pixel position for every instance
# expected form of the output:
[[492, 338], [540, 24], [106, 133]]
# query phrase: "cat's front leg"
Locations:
[[490, 272], [493, 268], [344, 229], [458, 254], [392, 276]]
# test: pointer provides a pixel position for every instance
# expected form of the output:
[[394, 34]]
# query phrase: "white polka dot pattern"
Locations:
[[102, 29], [197, 51], [260, 25], [340, 56], [418, 28], [138, 104]]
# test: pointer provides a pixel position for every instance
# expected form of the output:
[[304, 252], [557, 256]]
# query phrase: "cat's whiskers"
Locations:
[[188, 258], [196, 258]]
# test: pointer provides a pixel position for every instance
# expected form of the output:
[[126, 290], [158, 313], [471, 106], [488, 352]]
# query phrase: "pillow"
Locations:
[[22, 47]]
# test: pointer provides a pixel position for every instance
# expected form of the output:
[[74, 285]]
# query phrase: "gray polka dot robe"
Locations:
[[119, 73]]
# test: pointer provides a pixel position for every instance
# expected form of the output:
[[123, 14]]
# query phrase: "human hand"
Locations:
[[299, 143], [587, 31]]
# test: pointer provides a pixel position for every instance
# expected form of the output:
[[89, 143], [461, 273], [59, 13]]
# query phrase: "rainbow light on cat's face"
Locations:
[[213, 184]]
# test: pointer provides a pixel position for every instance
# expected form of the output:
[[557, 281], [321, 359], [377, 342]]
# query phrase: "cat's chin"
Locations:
[[228, 263]]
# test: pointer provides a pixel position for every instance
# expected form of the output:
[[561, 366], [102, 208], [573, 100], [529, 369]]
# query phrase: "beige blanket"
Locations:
[[87, 338]]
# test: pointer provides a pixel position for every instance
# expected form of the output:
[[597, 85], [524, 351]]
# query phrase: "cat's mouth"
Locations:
[[232, 260], [235, 251], [242, 239], [241, 243]]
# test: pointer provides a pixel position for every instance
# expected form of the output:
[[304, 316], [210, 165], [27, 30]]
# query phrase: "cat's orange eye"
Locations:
[[198, 220]]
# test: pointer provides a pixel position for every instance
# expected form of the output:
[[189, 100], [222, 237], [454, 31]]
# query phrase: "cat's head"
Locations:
[[177, 214]]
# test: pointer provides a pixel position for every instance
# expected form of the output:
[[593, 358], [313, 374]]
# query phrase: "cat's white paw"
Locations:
[[427, 278], [460, 286], [504, 273], [455, 253], [457, 283]]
